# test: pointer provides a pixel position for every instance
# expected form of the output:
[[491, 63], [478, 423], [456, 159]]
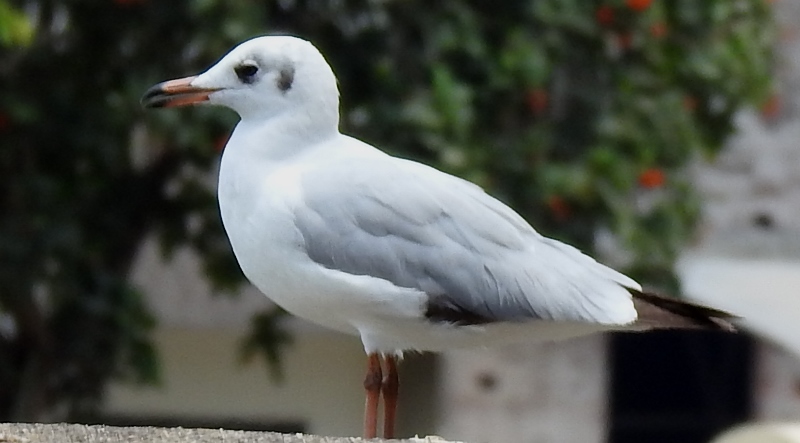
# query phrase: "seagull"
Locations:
[[403, 255]]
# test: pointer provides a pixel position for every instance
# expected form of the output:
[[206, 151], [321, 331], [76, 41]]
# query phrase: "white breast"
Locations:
[[256, 198]]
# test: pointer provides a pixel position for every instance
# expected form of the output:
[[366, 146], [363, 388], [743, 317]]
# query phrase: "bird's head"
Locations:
[[259, 79]]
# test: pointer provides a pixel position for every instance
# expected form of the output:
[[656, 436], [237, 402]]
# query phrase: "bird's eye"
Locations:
[[246, 72]]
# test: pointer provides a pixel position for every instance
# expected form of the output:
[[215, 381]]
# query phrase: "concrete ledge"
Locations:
[[762, 433], [69, 433]]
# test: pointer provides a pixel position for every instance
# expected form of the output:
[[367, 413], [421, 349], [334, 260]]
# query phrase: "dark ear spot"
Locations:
[[286, 78]]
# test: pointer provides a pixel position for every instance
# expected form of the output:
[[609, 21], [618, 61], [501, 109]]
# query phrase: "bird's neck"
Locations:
[[281, 137]]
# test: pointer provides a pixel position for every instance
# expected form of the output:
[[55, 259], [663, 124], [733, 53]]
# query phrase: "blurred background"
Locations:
[[658, 135]]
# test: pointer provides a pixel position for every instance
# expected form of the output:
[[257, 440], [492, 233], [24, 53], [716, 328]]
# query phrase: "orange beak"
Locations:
[[173, 93]]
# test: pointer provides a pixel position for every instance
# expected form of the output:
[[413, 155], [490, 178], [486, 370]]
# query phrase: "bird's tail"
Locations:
[[656, 311]]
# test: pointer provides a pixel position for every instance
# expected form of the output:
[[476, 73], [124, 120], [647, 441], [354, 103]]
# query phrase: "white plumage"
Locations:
[[298, 198], [408, 257]]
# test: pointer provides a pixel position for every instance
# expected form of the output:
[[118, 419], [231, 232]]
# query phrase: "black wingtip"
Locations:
[[659, 311]]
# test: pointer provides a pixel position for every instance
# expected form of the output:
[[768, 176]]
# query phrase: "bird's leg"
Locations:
[[372, 383], [391, 383]]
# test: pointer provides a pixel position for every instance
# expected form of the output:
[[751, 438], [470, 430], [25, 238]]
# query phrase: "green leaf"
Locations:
[[267, 339]]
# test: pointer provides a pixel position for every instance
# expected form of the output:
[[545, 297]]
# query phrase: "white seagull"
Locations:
[[405, 256]]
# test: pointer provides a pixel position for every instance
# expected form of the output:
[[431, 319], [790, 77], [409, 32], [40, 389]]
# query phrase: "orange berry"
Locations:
[[604, 15], [624, 40], [558, 207], [638, 5], [658, 29], [772, 107], [652, 178], [537, 100], [689, 103], [220, 142]]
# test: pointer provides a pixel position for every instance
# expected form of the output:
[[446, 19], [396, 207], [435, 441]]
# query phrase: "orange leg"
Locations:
[[391, 383], [372, 383]]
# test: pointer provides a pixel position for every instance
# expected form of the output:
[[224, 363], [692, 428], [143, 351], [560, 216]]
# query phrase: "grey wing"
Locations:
[[476, 259]]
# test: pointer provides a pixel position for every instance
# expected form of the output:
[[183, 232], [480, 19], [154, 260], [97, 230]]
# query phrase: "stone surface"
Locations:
[[762, 433], [777, 385], [69, 433], [755, 181], [554, 392], [748, 256]]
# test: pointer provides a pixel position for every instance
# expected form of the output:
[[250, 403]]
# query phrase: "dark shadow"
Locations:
[[678, 386]]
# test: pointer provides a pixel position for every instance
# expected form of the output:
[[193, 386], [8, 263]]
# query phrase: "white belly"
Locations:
[[257, 213]]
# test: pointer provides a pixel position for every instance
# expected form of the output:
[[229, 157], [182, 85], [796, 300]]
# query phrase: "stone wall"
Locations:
[[754, 184], [546, 393]]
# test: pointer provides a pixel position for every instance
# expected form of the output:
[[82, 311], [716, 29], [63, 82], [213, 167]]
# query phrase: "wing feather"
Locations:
[[420, 228]]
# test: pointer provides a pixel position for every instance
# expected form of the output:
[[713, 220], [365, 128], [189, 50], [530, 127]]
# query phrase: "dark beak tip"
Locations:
[[151, 97], [173, 93]]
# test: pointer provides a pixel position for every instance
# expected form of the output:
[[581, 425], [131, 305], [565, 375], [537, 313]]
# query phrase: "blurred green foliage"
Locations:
[[581, 114], [15, 28]]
